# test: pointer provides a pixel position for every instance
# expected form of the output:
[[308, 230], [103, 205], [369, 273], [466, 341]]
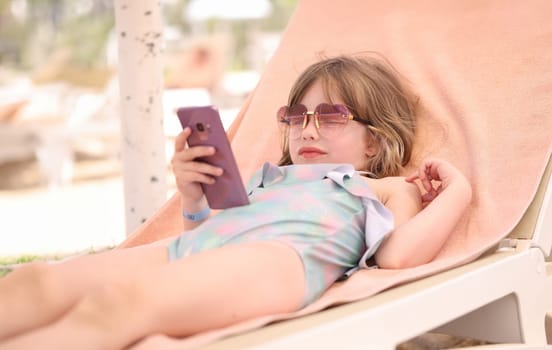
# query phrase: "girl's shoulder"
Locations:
[[393, 188]]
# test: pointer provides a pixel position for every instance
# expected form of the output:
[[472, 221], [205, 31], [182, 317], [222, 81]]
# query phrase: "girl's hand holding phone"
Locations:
[[208, 161], [190, 173]]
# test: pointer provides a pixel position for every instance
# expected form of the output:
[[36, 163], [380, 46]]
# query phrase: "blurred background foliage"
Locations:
[[60, 118], [58, 77], [33, 30]]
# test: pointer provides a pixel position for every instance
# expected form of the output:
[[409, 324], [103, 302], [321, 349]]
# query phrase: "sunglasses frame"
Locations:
[[316, 113]]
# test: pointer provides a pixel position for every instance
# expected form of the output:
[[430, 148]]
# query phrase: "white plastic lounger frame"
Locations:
[[503, 298], [506, 347]]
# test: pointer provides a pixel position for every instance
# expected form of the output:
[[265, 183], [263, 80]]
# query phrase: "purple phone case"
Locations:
[[207, 129]]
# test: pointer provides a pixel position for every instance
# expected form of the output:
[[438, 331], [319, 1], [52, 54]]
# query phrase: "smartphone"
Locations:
[[207, 130]]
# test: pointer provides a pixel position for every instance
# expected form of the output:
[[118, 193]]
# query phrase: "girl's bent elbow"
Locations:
[[398, 262], [391, 262]]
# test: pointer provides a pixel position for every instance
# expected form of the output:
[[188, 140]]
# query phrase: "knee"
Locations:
[[109, 306], [32, 272], [39, 279]]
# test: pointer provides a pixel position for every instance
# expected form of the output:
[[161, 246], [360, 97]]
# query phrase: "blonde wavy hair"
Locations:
[[374, 91]]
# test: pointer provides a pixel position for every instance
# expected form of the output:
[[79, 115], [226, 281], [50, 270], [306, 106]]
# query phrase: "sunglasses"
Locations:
[[329, 119]]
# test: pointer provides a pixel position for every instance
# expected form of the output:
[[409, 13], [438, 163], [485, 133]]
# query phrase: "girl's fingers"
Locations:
[[428, 197], [192, 176], [180, 141], [426, 183], [412, 177], [421, 175], [191, 153], [196, 167], [434, 175]]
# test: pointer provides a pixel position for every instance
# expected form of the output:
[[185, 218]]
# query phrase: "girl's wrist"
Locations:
[[197, 216], [196, 210]]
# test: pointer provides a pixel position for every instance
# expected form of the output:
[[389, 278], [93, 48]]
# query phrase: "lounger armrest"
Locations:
[[536, 223]]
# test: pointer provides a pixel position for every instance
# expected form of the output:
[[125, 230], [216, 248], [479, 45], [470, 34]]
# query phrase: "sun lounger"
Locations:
[[482, 72]]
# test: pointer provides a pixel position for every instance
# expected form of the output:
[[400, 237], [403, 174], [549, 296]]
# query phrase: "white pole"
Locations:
[[140, 37]]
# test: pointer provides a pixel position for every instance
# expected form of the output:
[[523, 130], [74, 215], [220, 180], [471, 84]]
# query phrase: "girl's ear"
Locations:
[[372, 148], [371, 151]]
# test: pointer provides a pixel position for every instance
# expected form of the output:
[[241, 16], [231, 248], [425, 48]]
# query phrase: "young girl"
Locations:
[[311, 220]]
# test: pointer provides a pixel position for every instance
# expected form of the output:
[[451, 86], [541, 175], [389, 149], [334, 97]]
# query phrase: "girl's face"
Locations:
[[351, 145]]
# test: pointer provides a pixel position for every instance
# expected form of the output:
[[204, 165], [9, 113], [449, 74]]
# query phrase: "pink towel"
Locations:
[[482, 71]]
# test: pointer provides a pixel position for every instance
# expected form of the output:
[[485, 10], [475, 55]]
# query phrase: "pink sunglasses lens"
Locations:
[[328, 109], [296, 110]]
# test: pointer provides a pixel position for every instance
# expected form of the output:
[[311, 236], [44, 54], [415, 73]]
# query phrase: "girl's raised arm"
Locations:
[[418, 240], [190, 173]]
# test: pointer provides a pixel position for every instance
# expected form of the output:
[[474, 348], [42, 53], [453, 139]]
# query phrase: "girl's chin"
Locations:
[[320, 160], [316, 160]]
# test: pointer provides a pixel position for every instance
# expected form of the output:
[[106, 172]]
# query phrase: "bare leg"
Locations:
[[39, 293], [205, 291]]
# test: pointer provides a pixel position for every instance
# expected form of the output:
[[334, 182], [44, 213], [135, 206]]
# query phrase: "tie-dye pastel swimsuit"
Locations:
[[326, 212]]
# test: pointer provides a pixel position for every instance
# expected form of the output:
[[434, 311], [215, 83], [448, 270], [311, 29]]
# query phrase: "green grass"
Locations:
[[27, 258], [18, 259]]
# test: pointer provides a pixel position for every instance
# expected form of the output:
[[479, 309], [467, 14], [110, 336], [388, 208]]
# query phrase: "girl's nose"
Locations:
[[310, 132]]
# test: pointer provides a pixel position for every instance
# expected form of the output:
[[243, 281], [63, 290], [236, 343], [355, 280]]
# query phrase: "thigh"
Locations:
[[83, 273], [222, 286]]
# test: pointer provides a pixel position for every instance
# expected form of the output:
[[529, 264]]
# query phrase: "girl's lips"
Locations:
[[310, 152]]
